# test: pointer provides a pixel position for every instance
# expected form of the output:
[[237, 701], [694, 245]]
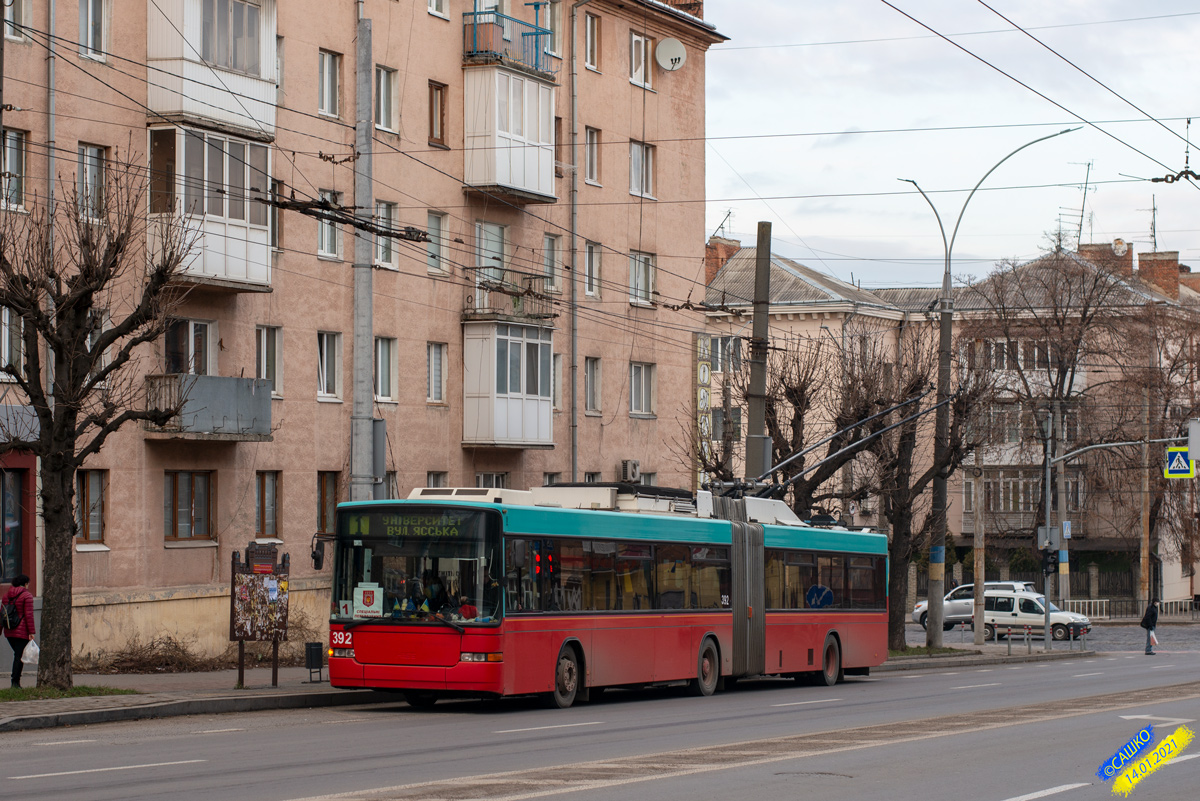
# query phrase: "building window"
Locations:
[[329, 346], [385, 98], [556, 382], [90, 489], [437, 478], [641, 169], [327, 485], [231, 35], [268, 341], [591, 41], [551, 246], [491, 480], [385, 369], [273, 217], [968, 497], [391, 484], [726, 354], [553, 23], [385, 246], [718, 424], [328, 82], [223, 177], [91, 181], [435, 354], [591, 155], [649, 479], [266, 504], [435, 226], [437, 7], [523, 351], [15, 14], [329, 233], [437, 113], [641, 277], [13, 181], [93, 27], [550, 479], [641, 50], [188, 504], [591, 269], [489, 255], [641, 388], [189, 346], [591, 384], [592, 478], [10, 343]]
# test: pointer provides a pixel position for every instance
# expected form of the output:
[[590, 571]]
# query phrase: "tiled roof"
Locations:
[[792, 284]]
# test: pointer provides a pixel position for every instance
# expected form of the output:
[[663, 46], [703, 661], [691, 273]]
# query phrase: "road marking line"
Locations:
[[217, 731], [1081, 675], [340, 722], [802, 703], [66, 742], [950, 674], [1160, 667], [540, 728], [1052, 791], [1014, 668], [106, 770], [1164, 721], [1183, 758], [975, 686]]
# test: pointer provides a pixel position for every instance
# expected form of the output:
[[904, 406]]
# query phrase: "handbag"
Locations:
[[1153, 638], [31, 654]]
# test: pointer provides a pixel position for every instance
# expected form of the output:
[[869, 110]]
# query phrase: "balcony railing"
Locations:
[[211, 407], [506, 300], [490, 37]]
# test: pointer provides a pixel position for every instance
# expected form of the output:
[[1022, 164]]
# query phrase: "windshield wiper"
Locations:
[[392, 621], [451, 624]]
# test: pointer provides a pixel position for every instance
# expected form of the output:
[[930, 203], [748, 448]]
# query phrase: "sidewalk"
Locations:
[[170, 694]]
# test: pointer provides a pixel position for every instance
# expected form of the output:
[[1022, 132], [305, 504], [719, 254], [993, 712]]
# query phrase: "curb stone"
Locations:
[[971, 658]]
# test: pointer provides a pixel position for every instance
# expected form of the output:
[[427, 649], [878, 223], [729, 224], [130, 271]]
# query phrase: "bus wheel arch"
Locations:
[[708, 667], [568, 676], [831, 671]]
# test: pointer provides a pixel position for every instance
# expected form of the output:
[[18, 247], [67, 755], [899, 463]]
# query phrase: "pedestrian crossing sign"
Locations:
[[1178, 464]]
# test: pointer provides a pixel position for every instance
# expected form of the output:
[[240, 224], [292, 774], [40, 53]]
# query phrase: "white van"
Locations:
[[1011, 610]]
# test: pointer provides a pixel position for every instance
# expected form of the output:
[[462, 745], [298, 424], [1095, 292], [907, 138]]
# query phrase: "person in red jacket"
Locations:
[[19, 637]]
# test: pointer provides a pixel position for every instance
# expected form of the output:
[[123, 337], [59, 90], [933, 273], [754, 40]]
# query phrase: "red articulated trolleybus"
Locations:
[[567, 590]]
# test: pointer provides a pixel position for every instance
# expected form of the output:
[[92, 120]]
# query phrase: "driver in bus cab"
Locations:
[[436, 599]]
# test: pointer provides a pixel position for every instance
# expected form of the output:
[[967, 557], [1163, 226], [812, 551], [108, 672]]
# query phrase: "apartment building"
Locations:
[[525, 327]]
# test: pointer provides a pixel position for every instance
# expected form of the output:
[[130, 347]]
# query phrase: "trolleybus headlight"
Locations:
[[476, 657], [343, 652]]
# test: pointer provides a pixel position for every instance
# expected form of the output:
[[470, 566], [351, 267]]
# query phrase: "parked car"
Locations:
[[1007, 611], [958, 606]]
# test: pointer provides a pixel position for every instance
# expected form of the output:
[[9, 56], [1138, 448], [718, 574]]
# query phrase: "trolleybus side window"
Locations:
[[634, 576], [801, 577], [866, 589], [711, 574], [600, 580], [775, 579], [673, 578]]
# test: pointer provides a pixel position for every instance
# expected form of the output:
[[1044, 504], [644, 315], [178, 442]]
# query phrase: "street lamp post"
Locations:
[[941, 446]]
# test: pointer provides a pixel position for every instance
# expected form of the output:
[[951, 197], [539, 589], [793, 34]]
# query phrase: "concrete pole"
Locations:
[[977, 547], [574, 366], [1043, 545], [1064, 565], [361, 449], [757, 456], [1144, 551]]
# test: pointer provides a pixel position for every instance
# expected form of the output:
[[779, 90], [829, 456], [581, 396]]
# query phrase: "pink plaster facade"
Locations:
[[111, 102]]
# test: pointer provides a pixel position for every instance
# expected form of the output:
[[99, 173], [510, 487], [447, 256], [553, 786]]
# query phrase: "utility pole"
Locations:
[[1064, 566], [758, 444], [1048, 543], [361, 438], [1144, 551]]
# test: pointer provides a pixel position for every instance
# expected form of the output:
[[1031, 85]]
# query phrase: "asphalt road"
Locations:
[[994, 733]]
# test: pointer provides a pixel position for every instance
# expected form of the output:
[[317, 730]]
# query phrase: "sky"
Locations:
[[815, 109]]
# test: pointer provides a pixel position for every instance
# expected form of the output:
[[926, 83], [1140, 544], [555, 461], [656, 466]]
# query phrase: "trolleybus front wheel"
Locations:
[[831, 662], [566, 679], [708, 670]]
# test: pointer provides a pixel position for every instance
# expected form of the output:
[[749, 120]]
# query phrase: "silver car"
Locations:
[[959, 604]]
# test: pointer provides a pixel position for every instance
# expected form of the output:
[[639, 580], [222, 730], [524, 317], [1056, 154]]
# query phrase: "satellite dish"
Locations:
[[1120, 247], [670, 54]]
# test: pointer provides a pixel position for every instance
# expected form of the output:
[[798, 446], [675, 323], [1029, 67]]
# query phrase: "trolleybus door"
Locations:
[[749, 619]]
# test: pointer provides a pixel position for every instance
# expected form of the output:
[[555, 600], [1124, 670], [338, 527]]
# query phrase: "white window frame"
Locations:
[[266, 504], [386, 97], [550, 479], [641, 63], [591, 41], [16, 14], [591, 156], [726, 354], [228, 59], [13, 182], [592, 260], [11, 327], [386, 216], [437, 478], [524, 356], [227, 189], [641, 388], [92, 166], [435, 248], [438, 8], [387, 364], [556, 388], [95, 14], [329, 234], [553, 23], [641, 169], [641, 278], [435, 372], [593, 376], [593, 478], [552, 262], [329, 344], [329, 68], [268, 346], [968, 496], [206, 328], [491, 480]]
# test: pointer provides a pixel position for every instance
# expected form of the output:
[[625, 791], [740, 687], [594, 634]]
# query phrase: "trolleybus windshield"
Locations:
[[418, 565]]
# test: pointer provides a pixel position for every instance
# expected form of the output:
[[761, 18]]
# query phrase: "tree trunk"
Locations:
[[901, 547], [54, 665]]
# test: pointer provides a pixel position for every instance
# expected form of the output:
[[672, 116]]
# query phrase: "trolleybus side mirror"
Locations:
[[318, 553]]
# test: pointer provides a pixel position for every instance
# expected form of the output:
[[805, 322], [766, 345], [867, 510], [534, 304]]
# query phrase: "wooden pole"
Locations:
[[274, 663], [241, 664]]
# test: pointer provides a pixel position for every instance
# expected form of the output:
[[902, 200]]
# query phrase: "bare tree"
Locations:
[[87, 284]]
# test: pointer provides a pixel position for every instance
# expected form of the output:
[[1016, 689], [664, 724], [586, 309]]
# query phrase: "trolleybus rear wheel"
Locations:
[[708, 669], [831, 662], [566, 678]]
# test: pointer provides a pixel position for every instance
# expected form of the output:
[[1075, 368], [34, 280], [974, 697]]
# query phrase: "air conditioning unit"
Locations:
[[631, 471]]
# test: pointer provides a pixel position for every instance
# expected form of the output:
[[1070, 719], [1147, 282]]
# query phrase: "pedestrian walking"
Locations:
[[1149, 623], [18, 636]]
